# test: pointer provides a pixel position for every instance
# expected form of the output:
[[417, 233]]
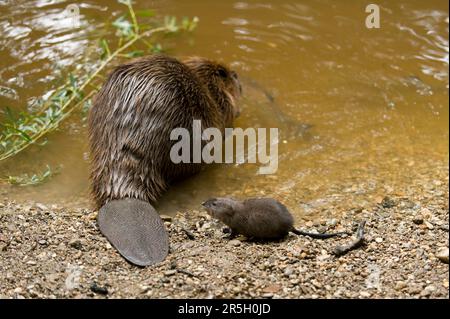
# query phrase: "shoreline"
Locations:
[[59, 253]]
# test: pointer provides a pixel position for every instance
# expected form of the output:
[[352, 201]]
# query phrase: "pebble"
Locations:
[[400, 285], [429, 225], [98, 289], [379, 240], [288, 271], [170, 272], [428, 291], [387, 202], [414, 289], [166, 218], [272, 289], [234, 242], [332, 222], [417, 219], [41, 206], [76, 243], [442, 254]]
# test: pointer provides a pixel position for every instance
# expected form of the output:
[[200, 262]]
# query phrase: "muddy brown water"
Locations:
[[376, 99]]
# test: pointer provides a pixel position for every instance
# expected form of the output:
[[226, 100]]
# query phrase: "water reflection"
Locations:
[[377, 100]]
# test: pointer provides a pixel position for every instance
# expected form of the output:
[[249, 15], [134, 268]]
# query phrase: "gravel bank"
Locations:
[[59, 253]]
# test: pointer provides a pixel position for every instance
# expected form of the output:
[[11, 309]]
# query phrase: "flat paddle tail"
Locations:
[[135, 229]]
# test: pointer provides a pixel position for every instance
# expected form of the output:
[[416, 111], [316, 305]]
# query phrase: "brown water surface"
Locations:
[[377, 99]]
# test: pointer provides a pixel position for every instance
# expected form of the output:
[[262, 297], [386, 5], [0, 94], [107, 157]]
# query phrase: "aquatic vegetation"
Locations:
[[35, 179], [21, 130]]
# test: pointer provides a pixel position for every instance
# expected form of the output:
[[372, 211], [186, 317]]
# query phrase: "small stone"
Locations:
[[170, 272], [332, 222], [309, 224], [73, 277], [427, 291], [429, 225], [425, 212], [414, 289], [166, 218], [76, 243], [234, 242], [42, 242], [400, 285], [387, 202], [442, 254], [98, 289], [365, 294], [272, 289], [417, 219], [379, 240], [52, 277], [41, 206], [288, 271]]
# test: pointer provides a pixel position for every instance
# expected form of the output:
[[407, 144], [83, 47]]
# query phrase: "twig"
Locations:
[[342, 250], [186, 272]]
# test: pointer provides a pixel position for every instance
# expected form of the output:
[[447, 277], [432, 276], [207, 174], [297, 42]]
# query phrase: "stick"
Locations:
[[342, 250]]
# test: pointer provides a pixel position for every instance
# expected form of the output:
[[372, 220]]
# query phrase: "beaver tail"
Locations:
[[135, 229]]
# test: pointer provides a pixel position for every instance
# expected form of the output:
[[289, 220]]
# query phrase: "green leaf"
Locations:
[[171, 23], [124, 27], [105, 49], [145, 13], [73, 81], [188, 24], [35, 179], [134, 54], [157, 48], [24, 135]]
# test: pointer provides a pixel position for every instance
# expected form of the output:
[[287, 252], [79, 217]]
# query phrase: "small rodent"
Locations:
[[129, 127], [261, 218]]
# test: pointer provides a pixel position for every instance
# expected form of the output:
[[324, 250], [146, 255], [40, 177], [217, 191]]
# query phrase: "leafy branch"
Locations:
[[19, 131]]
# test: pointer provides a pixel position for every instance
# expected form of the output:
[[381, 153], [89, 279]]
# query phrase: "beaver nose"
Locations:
[[208, 202]]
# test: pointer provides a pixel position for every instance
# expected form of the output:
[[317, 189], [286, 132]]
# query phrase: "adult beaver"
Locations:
[[129, 134]]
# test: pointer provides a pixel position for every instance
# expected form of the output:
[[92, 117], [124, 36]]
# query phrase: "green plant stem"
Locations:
[[105, 63], [133, 18]]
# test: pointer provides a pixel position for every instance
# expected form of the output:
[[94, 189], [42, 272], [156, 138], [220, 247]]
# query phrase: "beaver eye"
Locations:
[[222, 73]]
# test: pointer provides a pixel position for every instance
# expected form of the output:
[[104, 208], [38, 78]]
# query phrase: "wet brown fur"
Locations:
[[254, 217], [263, 218], [133, 114]]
